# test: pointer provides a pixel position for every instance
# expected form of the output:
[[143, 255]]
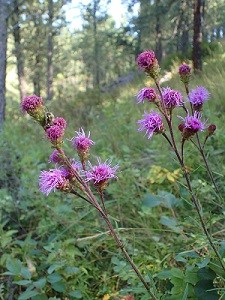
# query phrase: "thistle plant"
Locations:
[[83, 179], [77, 177], [191, 127]]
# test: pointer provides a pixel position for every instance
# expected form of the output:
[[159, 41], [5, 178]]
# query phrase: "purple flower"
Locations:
[[101, 173], [151, 123], [184, 69], [51, 180], [198, 96], [55, 157], [82, 142], [148, 94], [54, 133], [171, 98], [146, 60], [192, 124], [67, 173], [61, 122], [31, 103]]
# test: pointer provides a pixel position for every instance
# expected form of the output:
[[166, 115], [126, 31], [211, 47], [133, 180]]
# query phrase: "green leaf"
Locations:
[[22, 282], [164, 274], [40, 283], [59, 286], [76, 294], [151, 200], [206, 274], [170, 222], [54, 267], [72, 270], [185, 295], [177, 273], [168, 199], [203, 263], [14, 266], [25, 273], [202, 290], [40, 297], [54, 277], [28, 294]]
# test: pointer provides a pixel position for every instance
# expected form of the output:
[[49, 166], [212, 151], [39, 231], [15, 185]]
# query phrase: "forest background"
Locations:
[[56, 247]]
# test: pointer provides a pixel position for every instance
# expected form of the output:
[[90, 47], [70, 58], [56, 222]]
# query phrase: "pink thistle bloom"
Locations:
[[151, 123], [31, 103], [192, 124], [171, 98], [67, 173], [55, 157], [54, 133], [148, 94], [82, 142], [184, 69], [61, 122], [146, 60], [198, 96], [51, 180], [101, 173]]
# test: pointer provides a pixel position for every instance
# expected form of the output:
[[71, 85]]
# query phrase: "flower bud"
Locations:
[[148, 62], [211, 129], [185, 73]]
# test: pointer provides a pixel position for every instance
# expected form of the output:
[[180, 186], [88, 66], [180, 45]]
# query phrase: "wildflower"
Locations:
[[54, 133], [148, 94], [101, 173], [151, 123], [82, 143], [185, 73], [68, 173], [61, 122], [171, 98], [198, 97], [192, 124], [51, 180], [55, 157], [148, 62], [33, 105]]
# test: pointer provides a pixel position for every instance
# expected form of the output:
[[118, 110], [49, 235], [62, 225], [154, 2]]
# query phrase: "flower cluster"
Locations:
[[51, 180], [168, 99]]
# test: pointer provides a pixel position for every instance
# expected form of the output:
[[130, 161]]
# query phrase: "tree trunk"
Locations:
[[3, 50], [158, 31], [197, 36], [18, 49], [50, 51], [96, 81]]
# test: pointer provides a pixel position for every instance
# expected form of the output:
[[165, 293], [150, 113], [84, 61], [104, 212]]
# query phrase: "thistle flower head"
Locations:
[[68, 173], [54, 133], [151, 123], [192, 124], [148, 94], [184, 69], [61, 122], [198, 97], [101, 173], [148, 62], [31, 103], [51, 180], [171, 98], [185, 73], [82, 143], [55, 157]]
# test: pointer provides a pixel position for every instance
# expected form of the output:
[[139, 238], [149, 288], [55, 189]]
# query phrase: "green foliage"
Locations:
[[58, 247]]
